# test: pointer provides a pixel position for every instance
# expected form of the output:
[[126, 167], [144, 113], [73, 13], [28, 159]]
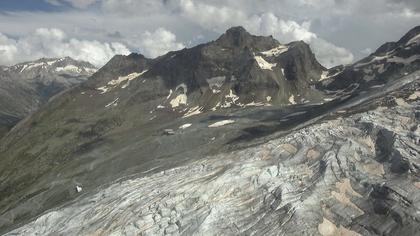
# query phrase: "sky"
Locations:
[[338, 31]]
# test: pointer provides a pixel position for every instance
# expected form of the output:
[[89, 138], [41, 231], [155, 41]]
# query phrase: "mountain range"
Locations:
[[238, 136], [27, 86]]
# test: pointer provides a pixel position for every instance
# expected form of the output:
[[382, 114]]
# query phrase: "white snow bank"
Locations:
[[78, 189], [221, 123], [128, 77], [69, 68], [184, 126], [292, 99], [179, 100], [415, 39], [193, 111], [119, 80], [254, 104], [263, 64], [113, 103], [230, 99], [276, 51]]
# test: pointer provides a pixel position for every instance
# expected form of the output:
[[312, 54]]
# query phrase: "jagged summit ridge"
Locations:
[[412, 36], [55, 65], [248, 69]]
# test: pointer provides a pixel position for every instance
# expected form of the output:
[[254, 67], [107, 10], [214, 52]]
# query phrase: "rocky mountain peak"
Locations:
[[412, 36], [238, 37], [119, 65], [64, 65], [410, 40], [235, 70], [235, 36]]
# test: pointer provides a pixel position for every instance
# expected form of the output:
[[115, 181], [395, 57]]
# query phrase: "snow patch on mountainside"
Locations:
[[35, 65], [193, 111], [170, 94], [69, 69], [184, 126], [254, 104], [113, 103], [230, 99], [324, 75], [23, 68], [292, 99], [179, 100], [221, 123], [128, 77], [405, 61], [415, 39], [119, 80], [263, 64], [49, 64], [275, 51]]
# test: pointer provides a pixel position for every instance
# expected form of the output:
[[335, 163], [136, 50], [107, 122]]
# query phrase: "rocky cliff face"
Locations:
[[25, 87], [241, 135]]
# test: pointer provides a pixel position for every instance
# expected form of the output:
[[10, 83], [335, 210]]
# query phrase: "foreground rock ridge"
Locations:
[[239, 136]]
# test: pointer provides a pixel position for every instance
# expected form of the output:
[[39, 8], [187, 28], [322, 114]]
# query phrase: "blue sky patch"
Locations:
[[28, 5]]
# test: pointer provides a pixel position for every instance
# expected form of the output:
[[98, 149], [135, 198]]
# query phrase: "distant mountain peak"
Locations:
[[55, 65]]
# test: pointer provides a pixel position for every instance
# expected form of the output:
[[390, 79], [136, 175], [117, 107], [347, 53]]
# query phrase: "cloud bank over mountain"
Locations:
[[94, 30], [51, 42]]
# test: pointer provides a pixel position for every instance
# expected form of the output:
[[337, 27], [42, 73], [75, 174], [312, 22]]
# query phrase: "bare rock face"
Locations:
[[239, 136], [390, 61]]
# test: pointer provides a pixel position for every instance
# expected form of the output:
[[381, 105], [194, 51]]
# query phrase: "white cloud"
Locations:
[[286, 30], [366, 51], [211, 17], [330, 55], [133, 7], [7, 50], [51, 42], [159, 42]]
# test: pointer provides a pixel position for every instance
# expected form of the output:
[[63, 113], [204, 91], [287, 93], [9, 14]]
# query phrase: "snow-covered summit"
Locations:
[[64, 65]]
